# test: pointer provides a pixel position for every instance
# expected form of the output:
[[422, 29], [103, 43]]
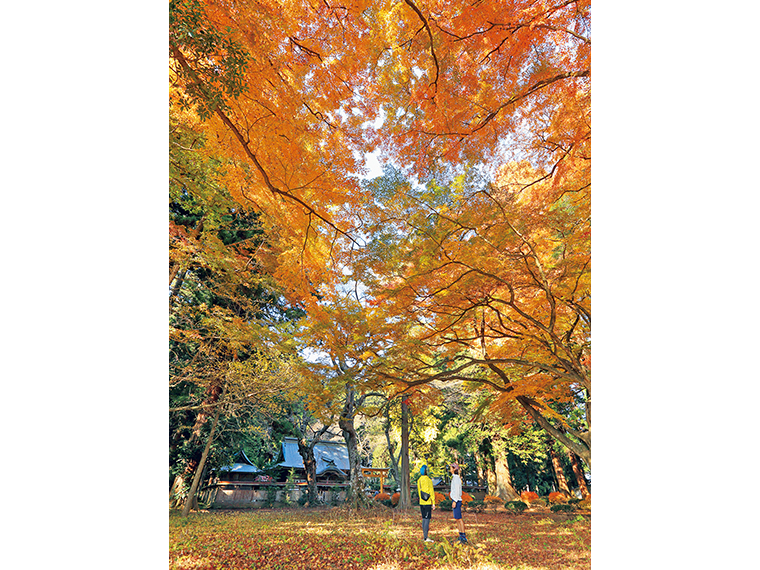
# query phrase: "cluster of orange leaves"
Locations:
[[466, 497], [558, 498], [528, 496], [396, 497], [492, 499]]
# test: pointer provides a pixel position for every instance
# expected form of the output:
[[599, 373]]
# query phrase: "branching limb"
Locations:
[[430, 35]]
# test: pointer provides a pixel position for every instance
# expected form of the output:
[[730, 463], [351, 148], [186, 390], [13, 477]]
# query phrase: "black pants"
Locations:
[[427, 514]]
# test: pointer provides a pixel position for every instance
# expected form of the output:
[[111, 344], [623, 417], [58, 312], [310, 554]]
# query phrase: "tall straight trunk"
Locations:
[[482, 481], [504, 488], [559, 474], [192, 501], [405, 500], [578, 470], [492, 482]]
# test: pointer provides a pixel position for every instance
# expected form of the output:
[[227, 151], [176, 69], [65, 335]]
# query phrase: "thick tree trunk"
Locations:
[[504, 488], [192, 501], [405, 500], [356, 498], [310, 466], [559, 474], [482, 480], [489, 475], [578, 470], [306, 449], [491, 481]]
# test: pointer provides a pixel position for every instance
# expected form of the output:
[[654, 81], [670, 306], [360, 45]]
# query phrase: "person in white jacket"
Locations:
[[456, 497]]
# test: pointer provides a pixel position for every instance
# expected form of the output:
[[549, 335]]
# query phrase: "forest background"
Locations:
[[673, 245]]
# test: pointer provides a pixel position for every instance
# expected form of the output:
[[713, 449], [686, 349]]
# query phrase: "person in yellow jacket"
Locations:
[[427, 501]]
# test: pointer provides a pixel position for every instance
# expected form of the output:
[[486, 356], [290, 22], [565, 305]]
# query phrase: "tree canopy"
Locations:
[[467, 261]]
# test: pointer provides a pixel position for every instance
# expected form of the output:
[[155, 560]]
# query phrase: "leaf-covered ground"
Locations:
[[377, 540]]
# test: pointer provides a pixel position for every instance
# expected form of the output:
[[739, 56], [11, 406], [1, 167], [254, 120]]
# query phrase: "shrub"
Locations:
[[439, 497], [382, 496], [476, 506], [557, 498], [515, 506], [388, 503], [395, 498], [466, 497], [493, 502], [585, 503], [529, 496], [446, 505], [564, 508]]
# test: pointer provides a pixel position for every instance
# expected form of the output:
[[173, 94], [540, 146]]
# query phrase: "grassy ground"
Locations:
[[382, 539]]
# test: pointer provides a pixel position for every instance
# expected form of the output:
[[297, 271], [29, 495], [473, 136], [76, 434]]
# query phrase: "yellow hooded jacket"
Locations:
[[425, 484]]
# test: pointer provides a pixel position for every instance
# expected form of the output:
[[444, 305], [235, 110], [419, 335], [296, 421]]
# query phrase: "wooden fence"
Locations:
[[257, 494]]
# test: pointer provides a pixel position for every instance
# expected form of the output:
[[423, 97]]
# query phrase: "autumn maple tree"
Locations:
[[488, 283], [338, 375], [475, 253]]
